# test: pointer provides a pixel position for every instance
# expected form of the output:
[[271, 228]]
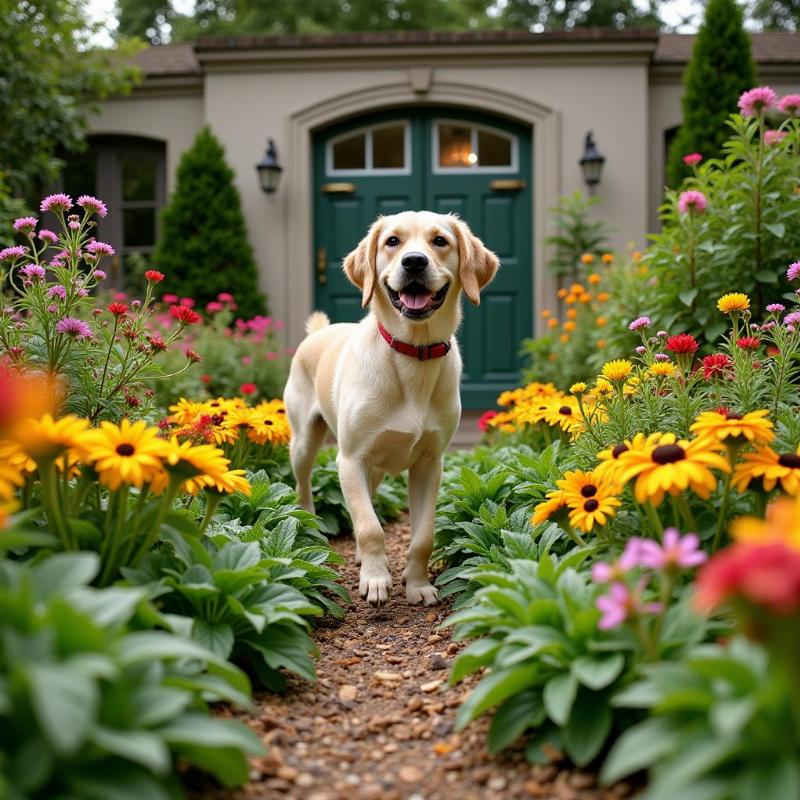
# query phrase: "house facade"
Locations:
[[488, 124]]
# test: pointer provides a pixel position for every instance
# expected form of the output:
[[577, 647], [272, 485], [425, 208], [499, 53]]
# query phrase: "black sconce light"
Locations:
[[269, 170], [591, 162]]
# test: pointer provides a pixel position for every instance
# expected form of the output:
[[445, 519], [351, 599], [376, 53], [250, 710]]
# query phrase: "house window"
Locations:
[[383, 149], [460, 147], [129, 175]]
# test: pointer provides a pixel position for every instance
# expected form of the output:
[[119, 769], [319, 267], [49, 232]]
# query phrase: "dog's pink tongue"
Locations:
[[415, 301]]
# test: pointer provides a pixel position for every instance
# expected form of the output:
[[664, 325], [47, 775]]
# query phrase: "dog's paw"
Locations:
[[422, 593], [375, 585]]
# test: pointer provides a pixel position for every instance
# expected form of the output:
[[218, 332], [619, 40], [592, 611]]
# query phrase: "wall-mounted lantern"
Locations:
[[269, 170], [591, 162]]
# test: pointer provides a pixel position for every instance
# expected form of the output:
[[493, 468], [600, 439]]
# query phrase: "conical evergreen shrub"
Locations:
[[721, 68], [203, 247]]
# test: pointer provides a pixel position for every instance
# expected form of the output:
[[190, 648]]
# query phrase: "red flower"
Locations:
[[118, 309], [192, 355], [157, 343], [692, 159], [682, 343], [184, 314], [714, 366], [766, 575], [169, 298], [748, 342], [206, 379], [154, 276], [483, 420], [248, 388]]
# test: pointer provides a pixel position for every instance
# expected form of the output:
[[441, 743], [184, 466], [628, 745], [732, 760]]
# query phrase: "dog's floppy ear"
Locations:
[[477, 265], [361, 266]]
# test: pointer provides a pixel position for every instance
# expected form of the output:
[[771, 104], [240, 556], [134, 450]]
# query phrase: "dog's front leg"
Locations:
[[375, 582], [424, 478]]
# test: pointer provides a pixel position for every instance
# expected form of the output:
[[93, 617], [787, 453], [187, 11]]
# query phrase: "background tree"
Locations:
[[203, 246], [146, 19], [48, 69], [721, 68], [777, 14], [552, 15]]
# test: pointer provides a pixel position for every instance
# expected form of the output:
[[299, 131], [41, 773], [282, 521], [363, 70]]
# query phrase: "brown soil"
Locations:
[[379, 723]]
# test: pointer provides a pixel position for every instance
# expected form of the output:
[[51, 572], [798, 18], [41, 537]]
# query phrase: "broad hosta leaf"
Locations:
[[478, 654], [597, 672], [559, 695], [514, 717], [638, 748], [778, 777], [143, 747], [587, 728], [64, 571], [216, 636], [493, 689], [116, 782]]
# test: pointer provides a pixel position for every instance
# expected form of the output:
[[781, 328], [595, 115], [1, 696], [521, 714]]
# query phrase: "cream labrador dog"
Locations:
[[388, 386]]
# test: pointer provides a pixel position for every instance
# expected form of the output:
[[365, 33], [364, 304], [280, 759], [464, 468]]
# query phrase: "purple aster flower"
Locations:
[[793, 273], [681, 552], [56, 202], [753, 102], [52, 308], [33, 272], [47, 236], [25, 224], [641, 349], [776, 308], [100, 275], [692, 200], [660, 357], [57, 291], [74, 226], [604, 573], [76, 328], [662, 334], [790, 104], [82, 292], [768, 326], [639, 323], [100, 249], [792, 319], [621, 603], [91, 205], [15, 252]]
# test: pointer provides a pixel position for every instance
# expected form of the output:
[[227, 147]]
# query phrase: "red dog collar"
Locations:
[[421, 351]]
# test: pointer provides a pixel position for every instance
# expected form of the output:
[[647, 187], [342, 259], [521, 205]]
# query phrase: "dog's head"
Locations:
[[417, 259]]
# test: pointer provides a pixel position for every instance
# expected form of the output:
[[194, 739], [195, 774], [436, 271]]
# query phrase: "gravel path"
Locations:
[[379, 723]]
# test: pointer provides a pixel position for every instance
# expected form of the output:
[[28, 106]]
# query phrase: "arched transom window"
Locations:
[[383, 149]]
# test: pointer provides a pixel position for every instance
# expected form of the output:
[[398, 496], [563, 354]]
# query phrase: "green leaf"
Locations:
[[479, 654], [493, 689], [688, 297], [588, 727], [728, 717], [559, 695], [639, 747], [216, 636], [65, 703], [143, 747], [767, 276], [777, 229], [117, 781], [513, 718], [773, 778], [61, 572], [597, 672]]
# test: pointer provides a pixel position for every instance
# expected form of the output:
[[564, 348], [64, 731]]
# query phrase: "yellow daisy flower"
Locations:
[[45, 438], [754, 426], [593, 511], [594, 278], [224, 483], [546, 510], [563, 413], [631, 386], [577, 388], [11, 453], [609, 458], [10, 479], [667, 464], [772, 468], [591, 499], [782, 524], [191, 460], [587, 258], [552, 323], [617, 370], [662, 369], [602, 388], [733, 302]]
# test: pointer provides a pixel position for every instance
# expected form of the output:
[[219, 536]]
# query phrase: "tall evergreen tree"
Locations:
[[203, 247], [721, 68]]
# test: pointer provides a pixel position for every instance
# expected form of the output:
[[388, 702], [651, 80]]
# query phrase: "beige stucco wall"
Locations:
[[171, 118]]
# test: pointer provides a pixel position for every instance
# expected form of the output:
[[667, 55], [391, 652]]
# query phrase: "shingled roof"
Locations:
[[772, 47]]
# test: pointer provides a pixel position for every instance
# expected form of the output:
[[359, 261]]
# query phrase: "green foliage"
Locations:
[[545, 15], [92, 709], [51, 75], [576, 234], [203, 245], [776, 14], [721, 68], [10, 209], [722, 726]]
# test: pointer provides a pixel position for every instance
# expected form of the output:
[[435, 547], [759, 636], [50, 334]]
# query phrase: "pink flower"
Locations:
[[754, 101], [169, 299], [271, 356], [57, 291], [225, 297], [57, 203], [773, 137], [15, 252], [640, 322], [621, 603], [790, 104], [792, 319], [247, 360], [792, 274], [692, 159], [213, 307], [76, 328], [33, 272], [604, 573], [100, 275], [776, 308], [677, 552], [187, 302], [641, 349], [692, 200], [47, 236], [91, 205], [278, 325], [25, 224], [660, 357], [74, 225], [483, 420], [120, 296], [100, 249]]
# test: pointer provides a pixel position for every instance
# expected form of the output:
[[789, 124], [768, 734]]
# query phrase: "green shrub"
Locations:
[[203, 246]]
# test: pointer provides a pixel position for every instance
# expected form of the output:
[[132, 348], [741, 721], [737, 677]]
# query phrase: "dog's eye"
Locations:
[[392, 241], [440, 241]]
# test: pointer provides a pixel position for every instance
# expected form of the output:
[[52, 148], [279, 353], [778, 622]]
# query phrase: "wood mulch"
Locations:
[[379, 722]]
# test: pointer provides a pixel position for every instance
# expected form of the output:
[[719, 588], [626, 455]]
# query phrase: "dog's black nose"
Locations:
[[414, 262]]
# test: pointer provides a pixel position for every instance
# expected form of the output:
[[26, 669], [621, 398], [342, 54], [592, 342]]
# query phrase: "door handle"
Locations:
[[322, 265], [338, 188], [507, 185]]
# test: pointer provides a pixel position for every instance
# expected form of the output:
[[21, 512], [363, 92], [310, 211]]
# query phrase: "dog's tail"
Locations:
[[317, 321]]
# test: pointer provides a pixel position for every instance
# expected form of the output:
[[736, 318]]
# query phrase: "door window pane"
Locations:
[[493, 150], [139, 227], [138, 179], [350, 153], [389, 147], [455, 149]]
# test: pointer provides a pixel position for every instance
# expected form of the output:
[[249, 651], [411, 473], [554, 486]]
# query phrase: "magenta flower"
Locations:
[[213, 307], [754, 101], [100, 275], [639, 323], [100, 249], [692, 200], [774, 137], [76, 328], [692, 159], [225, 297], [33, 272], [792, 274], [604, 573], [169, 299], [91, 205], [56, 202], [621, 603], [792, 319], [25, 224], [641, 349], [676, 552], [47, 236], [74, 225], [15, 252], [776, 308], [57, 291], [789, 104], [660, 357]]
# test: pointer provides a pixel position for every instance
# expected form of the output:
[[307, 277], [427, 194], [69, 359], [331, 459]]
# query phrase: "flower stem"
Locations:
[[110, 566], [723, 512], [652, 515]]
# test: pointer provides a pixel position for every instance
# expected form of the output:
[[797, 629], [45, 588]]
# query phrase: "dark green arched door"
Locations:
[[445, 160]]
